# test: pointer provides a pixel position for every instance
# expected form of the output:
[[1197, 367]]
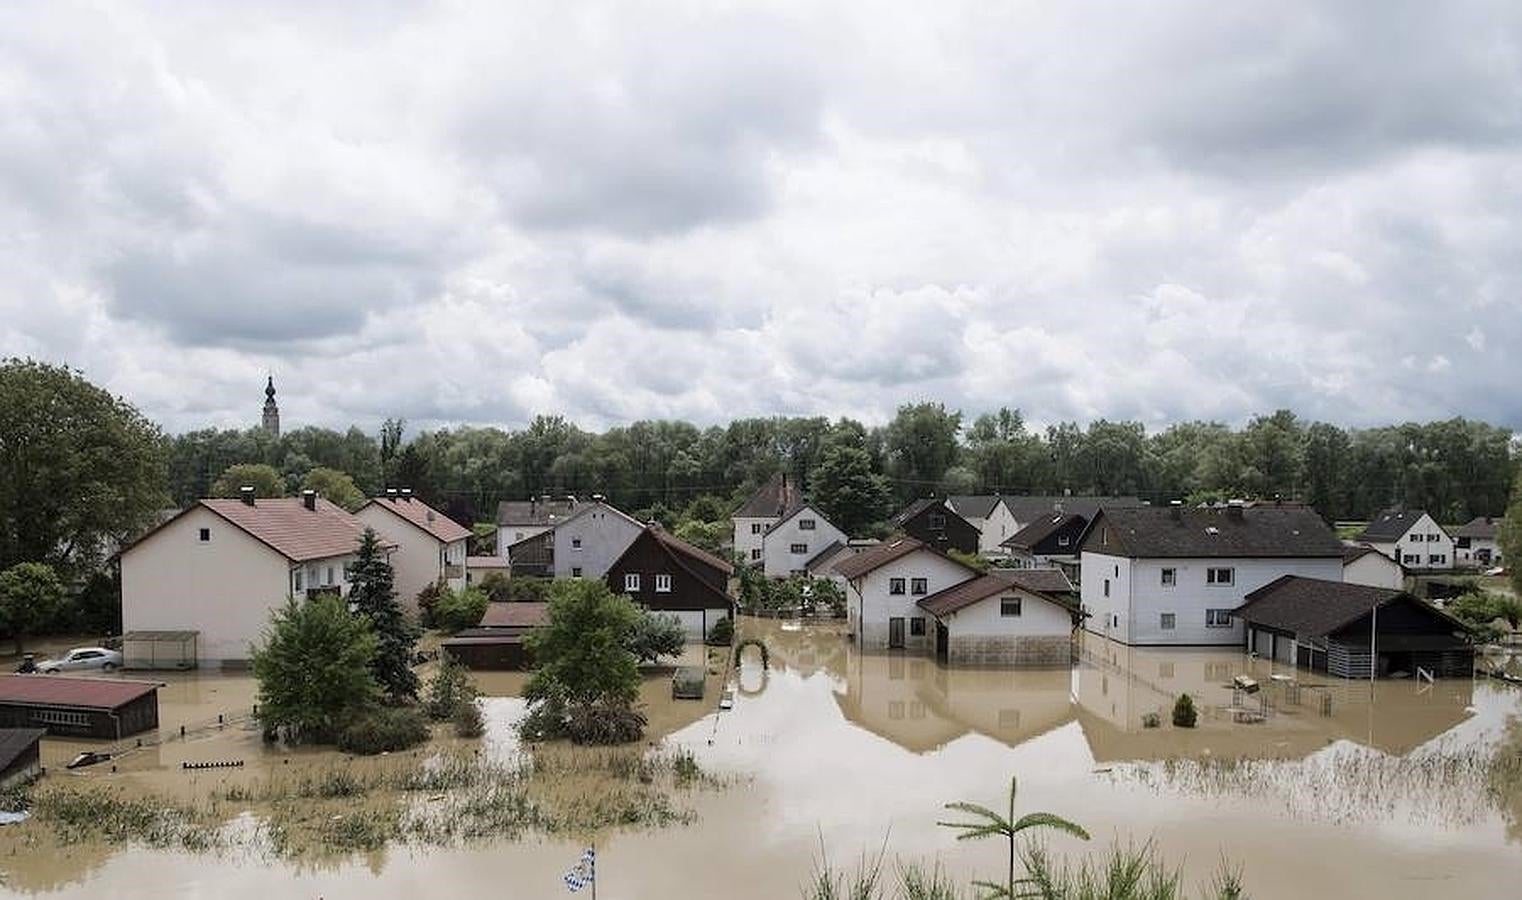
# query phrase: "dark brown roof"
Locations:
[[1027, 508], [1048, 584], [535, 511], [1315, 607], [773, 499], [915, 508], [1351, 553], [884, 553], [52, 690], [515, 615], [1390, 525], [1482, 527], [425, 517], [677, 545], [16, 741], [1260, 532], [1040, 529]]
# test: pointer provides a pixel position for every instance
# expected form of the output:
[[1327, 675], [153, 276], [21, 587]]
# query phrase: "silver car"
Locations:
[[80, 659]]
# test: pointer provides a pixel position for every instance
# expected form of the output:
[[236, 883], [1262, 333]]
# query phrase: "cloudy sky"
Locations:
[[475, 212]]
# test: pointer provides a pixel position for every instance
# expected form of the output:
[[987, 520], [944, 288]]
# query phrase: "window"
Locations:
[[205, 535], [575, 543], [1063, 540], [60, 717], [896, 709], [895, 585], [575, 571], [330, 576], [916, 709], [799, 548], [1437, 558], [1217, 618], [631, 581], [805, 524], [755, 553], [1166, 621], [296, 579], [1170, 577], [918, 586], [1009, 606], [663, 583], [937, 522], [1107, 587], [917, 626], [1412, 558], [1223, 577], [755, 528]]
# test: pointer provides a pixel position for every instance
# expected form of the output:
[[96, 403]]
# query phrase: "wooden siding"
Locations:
[[957, 533], [138, 715], [694, 585]]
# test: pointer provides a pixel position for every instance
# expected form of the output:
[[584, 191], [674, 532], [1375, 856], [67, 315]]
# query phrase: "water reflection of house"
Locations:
[[922, 706]]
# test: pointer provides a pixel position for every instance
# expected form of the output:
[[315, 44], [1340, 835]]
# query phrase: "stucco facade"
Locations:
[[792, 542], [872, 604], [1375, 570], [592, 540], [1041, 634], [750, 534], [420, 559], [1424, 546]]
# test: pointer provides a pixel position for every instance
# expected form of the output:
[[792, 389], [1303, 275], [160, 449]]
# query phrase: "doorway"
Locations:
[[942, 641], [896, 633]]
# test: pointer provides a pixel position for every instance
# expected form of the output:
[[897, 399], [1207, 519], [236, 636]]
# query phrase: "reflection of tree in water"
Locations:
[[1505, 782]]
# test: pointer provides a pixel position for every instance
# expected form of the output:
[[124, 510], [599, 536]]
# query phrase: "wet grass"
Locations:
[[112, 817]]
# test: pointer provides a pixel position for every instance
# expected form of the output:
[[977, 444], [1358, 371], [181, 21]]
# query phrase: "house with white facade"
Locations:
[[520, 519], [763, 509], [1362, 564], [582, 545], [1476, 543], [1411, 538], [791, 542], [1172, 576], [884, 586], [991, 516], [220, 568], [430, 546]]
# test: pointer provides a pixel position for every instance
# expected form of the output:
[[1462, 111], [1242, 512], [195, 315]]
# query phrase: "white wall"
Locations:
[[1374, 570], [999, 527], [779, 559], [696, 622], [1038, 618], [1415, 543], [604, 535], [508, 535], [417, 561], [749, 532], [872, 606], [1138, 598], [1467, 555]]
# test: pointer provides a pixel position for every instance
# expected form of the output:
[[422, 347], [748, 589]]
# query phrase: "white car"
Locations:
[[81, 658]]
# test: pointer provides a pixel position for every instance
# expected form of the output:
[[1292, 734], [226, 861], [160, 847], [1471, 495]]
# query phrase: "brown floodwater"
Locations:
[[1341, 788]]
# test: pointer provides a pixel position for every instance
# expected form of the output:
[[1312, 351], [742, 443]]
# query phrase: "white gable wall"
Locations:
[[1038, 617], [508, 535], [999, 527], [603, 534], [871, 605], [418, 559], [1374, 570], [778, 556], [749, 531], [1425, 545]]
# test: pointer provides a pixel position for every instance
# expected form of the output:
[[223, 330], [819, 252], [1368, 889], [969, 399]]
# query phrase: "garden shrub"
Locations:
[[722, 634], [467, 719], [428, 604], [497, 587], [383, 729], [450, 688], [604, 724], [1184, 714], [458, 610]]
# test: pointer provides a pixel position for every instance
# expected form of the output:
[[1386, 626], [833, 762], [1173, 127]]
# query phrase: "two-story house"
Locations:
[[1156, 575], [219, 568], [930, 521], [990, 515], [1475, 543], [430, 546], [763, 509], [668, 575], [1049, 542], [795, 539], [581, 545], [1411, 538], [518, 520]]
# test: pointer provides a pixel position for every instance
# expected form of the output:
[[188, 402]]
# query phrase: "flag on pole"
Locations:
[[583, 873]]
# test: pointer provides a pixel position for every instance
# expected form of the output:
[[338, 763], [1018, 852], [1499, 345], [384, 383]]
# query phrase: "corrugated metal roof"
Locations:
[[51, 690]]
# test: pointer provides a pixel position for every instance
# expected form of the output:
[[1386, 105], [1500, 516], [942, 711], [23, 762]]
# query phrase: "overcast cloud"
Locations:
[[476, 212]]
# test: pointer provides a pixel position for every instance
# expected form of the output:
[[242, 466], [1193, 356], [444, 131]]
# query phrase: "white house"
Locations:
[[220, 567], [761, 511], [520, 519], [581, 545], [884, 586], [1475, 543], [795, 539], [1007, 617], [430, 546], [991, 516], [1155, 575], [1411, 538], [1362, 564]]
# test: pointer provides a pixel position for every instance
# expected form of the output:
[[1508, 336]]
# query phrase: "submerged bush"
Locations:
[[450, 688], [722, 634], [467, 720], [604, 724], [383, 729], [1184, 714]]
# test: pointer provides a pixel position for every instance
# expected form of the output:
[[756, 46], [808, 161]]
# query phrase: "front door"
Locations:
[[896, 633]]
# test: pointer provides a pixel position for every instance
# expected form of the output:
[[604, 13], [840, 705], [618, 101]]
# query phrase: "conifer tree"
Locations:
[[372, 593]]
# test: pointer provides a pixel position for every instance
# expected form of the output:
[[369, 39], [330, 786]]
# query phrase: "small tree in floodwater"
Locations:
[[1184, 713], [586, 677], [314, 669], [988, 823]]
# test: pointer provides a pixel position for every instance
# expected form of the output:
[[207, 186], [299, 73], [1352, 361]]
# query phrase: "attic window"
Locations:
[[205, 535]]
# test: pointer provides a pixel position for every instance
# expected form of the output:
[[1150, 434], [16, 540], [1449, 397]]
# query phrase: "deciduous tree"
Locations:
[[262, 477], [314, 668], [31, 600]]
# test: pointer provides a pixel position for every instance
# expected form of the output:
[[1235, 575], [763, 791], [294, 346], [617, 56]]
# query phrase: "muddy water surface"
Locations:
[[1328, 795]]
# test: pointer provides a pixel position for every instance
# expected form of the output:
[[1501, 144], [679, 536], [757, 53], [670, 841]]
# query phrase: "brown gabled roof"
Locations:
[[16, 741], [535, 511], [53, 690], [677, 545], [1315, 607], [515, 615], [1048, 584], [886, 552], [1259, 532], [425, 517], [283, 524], [772, 499]]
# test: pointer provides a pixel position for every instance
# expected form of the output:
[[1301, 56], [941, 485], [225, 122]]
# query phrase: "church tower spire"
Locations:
[[271, 410]]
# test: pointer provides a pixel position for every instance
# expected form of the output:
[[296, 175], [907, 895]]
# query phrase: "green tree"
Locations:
[[31, 600], [314, 669], [583, 652], [1509, 536], [262, 477], [80, 470], [848, 492], [922, 444], [458, 610], [335, 486], [372, 593], [987, 823], [710, 536], [450, 688], [655, 636]]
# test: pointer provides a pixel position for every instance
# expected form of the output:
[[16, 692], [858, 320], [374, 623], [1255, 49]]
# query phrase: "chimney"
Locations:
[[1234, 509], [246, 494], [390, 493], [1176, 510], [407, 494], [598, 498], [1057, 507], [430, 515], [309, 499]]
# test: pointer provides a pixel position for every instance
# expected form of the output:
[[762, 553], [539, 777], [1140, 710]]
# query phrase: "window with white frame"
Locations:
[[631, 581], [1221, 576], [917, 626], [1107, 587], [1411, 558], [1217, 618], [896, 585], [1166, 621], [1009, 606], [1169, 577], [806, 524], [662, 583], [1063, 540], [296, 580], [755, 528], [575, 571], [330, 576], [1437, 558], [918, 586], [799, 548]]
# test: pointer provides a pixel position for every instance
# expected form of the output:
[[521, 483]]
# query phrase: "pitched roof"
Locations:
[[1040, 529], [772, 499], [875, 558], [794, 510], [677, 545], [999, 581], [915, 508], [515, 615], [973, 506], [1315, 607], [425, 517], [1260, 532], [283, 524], [53, 690], [1390, 525], [1352, 553], [1034, 506], [831, 548], [16, 741], [535, 511], [1482, 527]]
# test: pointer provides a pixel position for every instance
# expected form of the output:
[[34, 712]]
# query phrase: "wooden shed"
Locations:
[[20, 760], [1354, 630], [497, 643], [78, 707]]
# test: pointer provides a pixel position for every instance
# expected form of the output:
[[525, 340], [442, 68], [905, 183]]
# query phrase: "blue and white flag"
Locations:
[[583, 873]]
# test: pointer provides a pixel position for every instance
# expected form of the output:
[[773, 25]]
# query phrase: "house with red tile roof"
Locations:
[[430, 546], [219, 568]]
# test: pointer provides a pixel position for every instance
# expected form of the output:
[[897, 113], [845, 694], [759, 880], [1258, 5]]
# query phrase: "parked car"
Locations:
[[82, 658]]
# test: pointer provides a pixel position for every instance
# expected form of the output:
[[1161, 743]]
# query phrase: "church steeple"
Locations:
[[271, 410]]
